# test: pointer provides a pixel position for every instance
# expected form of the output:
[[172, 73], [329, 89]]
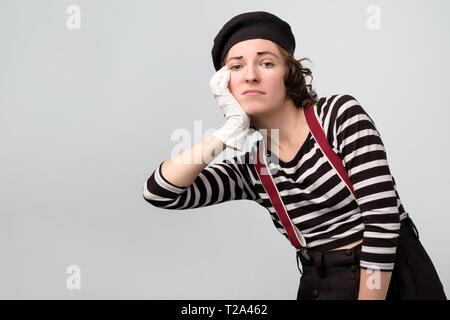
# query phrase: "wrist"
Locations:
[[231, 136]]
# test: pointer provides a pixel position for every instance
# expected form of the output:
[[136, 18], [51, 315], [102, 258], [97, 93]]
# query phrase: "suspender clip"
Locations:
[[305, 254]]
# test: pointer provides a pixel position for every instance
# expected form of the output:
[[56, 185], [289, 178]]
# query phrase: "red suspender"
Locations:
[[294, 235], [319, 135]]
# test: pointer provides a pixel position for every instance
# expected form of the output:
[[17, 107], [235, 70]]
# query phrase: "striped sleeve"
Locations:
[[364, 156], [217, 183]]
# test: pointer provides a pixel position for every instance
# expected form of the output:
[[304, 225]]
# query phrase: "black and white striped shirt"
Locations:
[[316, 199]]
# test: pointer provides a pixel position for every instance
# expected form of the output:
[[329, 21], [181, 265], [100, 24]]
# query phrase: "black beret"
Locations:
[[251, 25]]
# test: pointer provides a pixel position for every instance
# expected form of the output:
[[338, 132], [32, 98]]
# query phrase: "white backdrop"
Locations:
[[87, 114]]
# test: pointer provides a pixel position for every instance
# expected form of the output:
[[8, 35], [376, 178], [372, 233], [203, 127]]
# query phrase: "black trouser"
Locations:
[[335, 274]]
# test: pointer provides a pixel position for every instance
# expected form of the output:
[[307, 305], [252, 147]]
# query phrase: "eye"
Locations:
[[236, 65]]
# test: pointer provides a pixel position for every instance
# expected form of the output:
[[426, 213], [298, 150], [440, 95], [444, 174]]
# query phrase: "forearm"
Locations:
[[183, 168], [374, 284]]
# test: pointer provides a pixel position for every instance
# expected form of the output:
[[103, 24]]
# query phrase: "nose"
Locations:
[[251, 74]]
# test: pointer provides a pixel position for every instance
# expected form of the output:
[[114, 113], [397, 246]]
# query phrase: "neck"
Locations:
[[290, 122]]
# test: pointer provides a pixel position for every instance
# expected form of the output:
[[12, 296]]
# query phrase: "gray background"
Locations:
[[87, 115]]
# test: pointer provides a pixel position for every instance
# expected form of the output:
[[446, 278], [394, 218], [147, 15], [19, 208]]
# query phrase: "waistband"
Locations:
[[335, 259]]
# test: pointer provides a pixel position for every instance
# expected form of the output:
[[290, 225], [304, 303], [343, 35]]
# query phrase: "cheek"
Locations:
[[232, 85], [276, 86]]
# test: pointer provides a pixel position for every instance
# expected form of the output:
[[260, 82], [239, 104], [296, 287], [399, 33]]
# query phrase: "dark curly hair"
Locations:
[[301, 93]]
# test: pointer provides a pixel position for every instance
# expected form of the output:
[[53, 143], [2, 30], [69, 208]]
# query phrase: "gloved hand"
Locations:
[[236, 128]]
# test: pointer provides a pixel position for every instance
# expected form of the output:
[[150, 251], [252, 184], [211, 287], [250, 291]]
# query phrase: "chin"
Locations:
[[255, 109]]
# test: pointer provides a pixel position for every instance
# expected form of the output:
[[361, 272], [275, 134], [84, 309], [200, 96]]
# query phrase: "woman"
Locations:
[[358, 247]]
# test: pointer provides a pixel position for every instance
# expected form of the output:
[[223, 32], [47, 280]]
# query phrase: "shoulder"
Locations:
[[339, 111], [336, 109], [334, 105]]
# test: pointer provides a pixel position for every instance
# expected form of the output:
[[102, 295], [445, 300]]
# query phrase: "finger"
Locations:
[[225, 78], [217, 78], [228, 76]]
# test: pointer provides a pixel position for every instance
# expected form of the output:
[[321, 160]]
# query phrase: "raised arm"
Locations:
[[178, 185], [182, 169], [185, 181]]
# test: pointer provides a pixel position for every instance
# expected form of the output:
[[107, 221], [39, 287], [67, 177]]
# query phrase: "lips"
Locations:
[[252, 92]]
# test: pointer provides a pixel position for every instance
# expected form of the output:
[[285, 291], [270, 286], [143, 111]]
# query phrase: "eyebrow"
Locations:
[[260, 53]]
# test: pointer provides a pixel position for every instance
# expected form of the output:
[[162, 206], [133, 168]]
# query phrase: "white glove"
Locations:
[[236, 128]]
